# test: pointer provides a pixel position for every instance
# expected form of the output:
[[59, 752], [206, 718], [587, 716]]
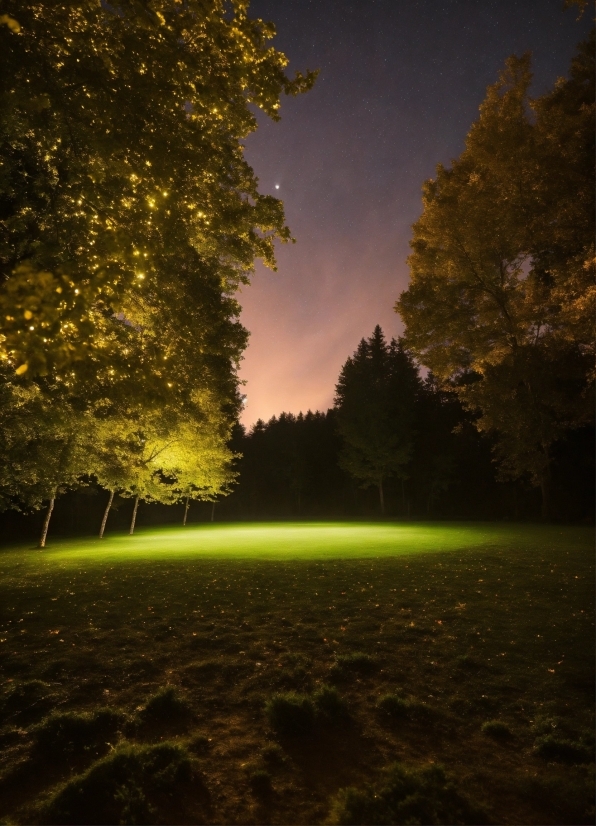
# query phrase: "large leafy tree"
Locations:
[[375, 404], [129, 216], [46, 446], [123, 187], [501, 299]]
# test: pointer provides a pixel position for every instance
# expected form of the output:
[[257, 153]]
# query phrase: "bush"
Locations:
[[273, 754], [291, 714], [166, 706], [126, 787], [563, 798], [199, 744], [260, 783], [412, 796], [66, 733], [393, 705], [563, 751], [354, 663], [329, 703], [496, 729]]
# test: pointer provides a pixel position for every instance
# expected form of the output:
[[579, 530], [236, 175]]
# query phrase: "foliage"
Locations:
[[408, 796], [125, 194], [64, 734], [289, 465], [129, 217], [496, 729], [289, 469], [260, 783], [561, 749], [26, 701], [291, 714], [44, 443], [374, 401], [166, 706], [393, 705], [330, 704], [500, 305], [123, 787], [355, 662]]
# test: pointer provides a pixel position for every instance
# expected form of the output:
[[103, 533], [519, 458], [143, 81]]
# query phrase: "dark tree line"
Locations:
[[394, 430], [295, 466]]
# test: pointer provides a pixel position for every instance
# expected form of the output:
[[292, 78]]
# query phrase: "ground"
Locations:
[[141, 676]]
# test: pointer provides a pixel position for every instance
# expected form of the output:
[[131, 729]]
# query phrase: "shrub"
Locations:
[[66, 733], [564, 798], [199, 744], [393, 705], [413, 796], [291, 714], [260, 783], [124, 787], [496, 729], [329, 703], [273, 754], [166, 706], [354, 663], [563, 751]]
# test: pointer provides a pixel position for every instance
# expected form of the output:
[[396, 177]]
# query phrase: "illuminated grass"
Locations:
[[308, 541], [468, 623]]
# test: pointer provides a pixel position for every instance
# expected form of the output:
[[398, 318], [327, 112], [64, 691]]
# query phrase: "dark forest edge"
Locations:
[[290, 470], [120, 386]]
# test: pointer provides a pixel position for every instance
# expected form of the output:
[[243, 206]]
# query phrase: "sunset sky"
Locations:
[[399, 87]]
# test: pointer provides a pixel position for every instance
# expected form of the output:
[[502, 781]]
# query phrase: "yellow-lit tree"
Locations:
[[501, 300], [123, 182]]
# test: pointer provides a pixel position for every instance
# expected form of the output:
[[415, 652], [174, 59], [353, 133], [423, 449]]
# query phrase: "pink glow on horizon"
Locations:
[[304, 326]]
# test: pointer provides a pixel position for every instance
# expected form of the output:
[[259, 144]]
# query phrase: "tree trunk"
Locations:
[[46, 522], [213, 511], [134, 516], [545, 490], [382, 497], [186, 506], [105, 515]]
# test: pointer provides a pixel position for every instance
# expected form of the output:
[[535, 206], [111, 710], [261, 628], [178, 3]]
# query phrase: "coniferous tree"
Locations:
[[375, 402]]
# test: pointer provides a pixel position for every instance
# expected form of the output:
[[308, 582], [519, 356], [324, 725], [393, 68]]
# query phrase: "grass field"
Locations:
[[296, 673]]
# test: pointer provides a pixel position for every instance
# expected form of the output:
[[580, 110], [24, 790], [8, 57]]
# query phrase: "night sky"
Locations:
[[399, 87]]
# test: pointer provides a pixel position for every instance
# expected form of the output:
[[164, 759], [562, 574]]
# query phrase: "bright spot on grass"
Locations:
[[294, 541]]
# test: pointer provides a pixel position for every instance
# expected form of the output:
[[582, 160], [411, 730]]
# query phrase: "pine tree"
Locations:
[[374, 402]]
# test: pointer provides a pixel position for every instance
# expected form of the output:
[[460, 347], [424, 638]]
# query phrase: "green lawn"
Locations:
[[456, 625]]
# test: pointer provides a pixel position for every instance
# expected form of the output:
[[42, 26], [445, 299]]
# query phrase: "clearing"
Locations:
[[467, 646]]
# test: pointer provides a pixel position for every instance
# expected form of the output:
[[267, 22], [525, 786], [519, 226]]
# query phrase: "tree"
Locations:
[[44, 447], [162, 455], [500, 305], [129, 217], [124, 192], [374, 401]]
